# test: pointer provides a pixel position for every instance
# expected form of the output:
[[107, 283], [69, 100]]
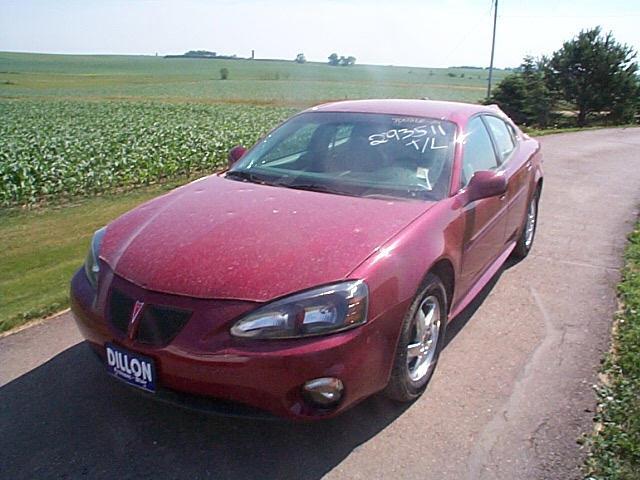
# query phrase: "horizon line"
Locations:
[[178, 55]]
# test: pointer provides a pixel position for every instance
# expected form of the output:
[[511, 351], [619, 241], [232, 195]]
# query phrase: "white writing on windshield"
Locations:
[[421, 137]]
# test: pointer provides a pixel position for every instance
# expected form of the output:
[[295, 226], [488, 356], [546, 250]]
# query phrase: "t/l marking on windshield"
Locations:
[[432, 144]]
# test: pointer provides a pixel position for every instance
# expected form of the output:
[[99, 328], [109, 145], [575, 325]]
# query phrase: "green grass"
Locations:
[[541, 132], [615, 445], [42, 248]]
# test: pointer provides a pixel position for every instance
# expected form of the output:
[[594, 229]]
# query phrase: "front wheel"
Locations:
[[525, 241], [421, 340]]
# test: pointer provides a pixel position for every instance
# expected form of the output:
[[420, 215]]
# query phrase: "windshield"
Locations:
[[359, 154]]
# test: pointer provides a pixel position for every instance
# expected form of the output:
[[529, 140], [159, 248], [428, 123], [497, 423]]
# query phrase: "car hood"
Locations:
[[225, 239]]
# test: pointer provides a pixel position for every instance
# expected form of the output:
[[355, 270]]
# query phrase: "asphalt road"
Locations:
[[512, 393]]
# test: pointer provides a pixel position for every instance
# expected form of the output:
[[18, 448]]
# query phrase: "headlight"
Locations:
[[91, 265], [316, 312]]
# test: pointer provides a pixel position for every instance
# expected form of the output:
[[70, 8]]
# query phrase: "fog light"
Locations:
[[324, 392]]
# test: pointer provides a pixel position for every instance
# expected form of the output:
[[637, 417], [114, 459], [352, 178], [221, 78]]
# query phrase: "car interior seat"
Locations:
[[315, 158]]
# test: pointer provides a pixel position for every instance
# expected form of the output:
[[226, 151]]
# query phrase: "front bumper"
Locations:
[[204, 360]]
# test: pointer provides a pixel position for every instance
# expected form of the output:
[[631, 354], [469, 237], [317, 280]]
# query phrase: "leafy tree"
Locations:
[[539, 98], [524, 95], [224, 73], [300, 58], [347, 61], [200, 53], [510, 95], [596, 74], [334, 59]]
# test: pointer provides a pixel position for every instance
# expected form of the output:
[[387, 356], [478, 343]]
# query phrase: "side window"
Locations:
[[512, 131], [502, 136], [478, 151]]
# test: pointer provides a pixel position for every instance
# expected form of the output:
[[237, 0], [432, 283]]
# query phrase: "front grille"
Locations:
[[120, 309], [157, 325]]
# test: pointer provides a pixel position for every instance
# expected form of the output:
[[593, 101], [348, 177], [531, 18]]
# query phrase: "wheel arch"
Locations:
[[443, 269]]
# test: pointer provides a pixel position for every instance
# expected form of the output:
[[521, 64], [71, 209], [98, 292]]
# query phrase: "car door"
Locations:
[[516, 167], [484, 219]]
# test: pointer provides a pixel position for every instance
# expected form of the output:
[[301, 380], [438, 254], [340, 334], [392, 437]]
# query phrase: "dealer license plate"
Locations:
[[131, 367]]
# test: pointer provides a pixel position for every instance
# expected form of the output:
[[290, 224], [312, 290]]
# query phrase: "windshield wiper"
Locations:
[[245, 176], [313, 187]]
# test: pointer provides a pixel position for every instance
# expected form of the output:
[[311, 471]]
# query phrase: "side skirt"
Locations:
[[482, 281]]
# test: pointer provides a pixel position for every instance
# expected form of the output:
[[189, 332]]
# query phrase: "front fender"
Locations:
[[395, 271]]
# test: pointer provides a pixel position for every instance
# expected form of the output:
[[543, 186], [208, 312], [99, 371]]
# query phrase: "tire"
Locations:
[[525, 241], [409, 377]]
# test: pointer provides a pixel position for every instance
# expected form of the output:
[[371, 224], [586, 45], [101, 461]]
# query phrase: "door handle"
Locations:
[[503, 196], [529, 166]]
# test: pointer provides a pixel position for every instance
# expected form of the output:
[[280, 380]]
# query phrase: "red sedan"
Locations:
[[321, 267]]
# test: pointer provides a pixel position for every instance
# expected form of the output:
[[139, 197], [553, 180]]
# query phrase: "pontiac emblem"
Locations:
[[137, 308], [135, 315]]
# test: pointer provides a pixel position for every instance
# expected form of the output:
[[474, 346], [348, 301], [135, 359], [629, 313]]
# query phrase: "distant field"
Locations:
[[82, 125], [250, 81]]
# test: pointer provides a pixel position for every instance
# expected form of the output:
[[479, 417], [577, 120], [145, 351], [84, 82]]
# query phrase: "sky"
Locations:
[[410, 32]]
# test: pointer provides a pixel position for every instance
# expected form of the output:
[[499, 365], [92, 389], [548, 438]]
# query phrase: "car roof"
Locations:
[[456, 112]]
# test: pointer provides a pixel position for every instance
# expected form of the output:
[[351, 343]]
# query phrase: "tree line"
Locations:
[[334, 59], [592, 75]]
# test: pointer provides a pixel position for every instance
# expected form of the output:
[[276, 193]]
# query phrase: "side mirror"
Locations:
[[236, 154], [485, 184]]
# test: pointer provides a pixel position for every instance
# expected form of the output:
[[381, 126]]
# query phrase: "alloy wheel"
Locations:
[[424, 339], [530, 226]]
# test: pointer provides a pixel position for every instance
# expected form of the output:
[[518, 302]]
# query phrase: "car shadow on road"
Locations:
[[67, 419]]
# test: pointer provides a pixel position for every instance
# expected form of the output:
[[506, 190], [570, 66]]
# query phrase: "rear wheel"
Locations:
[[525, 242], [421, 341]]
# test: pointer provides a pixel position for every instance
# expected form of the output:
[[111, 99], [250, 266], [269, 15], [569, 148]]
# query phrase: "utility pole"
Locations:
[[493, 46]]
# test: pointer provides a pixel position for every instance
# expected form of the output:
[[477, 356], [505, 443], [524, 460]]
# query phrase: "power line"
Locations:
[[493, 47]]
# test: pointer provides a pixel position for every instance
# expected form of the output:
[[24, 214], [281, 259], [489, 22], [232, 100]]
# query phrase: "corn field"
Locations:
[[59, 149]]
